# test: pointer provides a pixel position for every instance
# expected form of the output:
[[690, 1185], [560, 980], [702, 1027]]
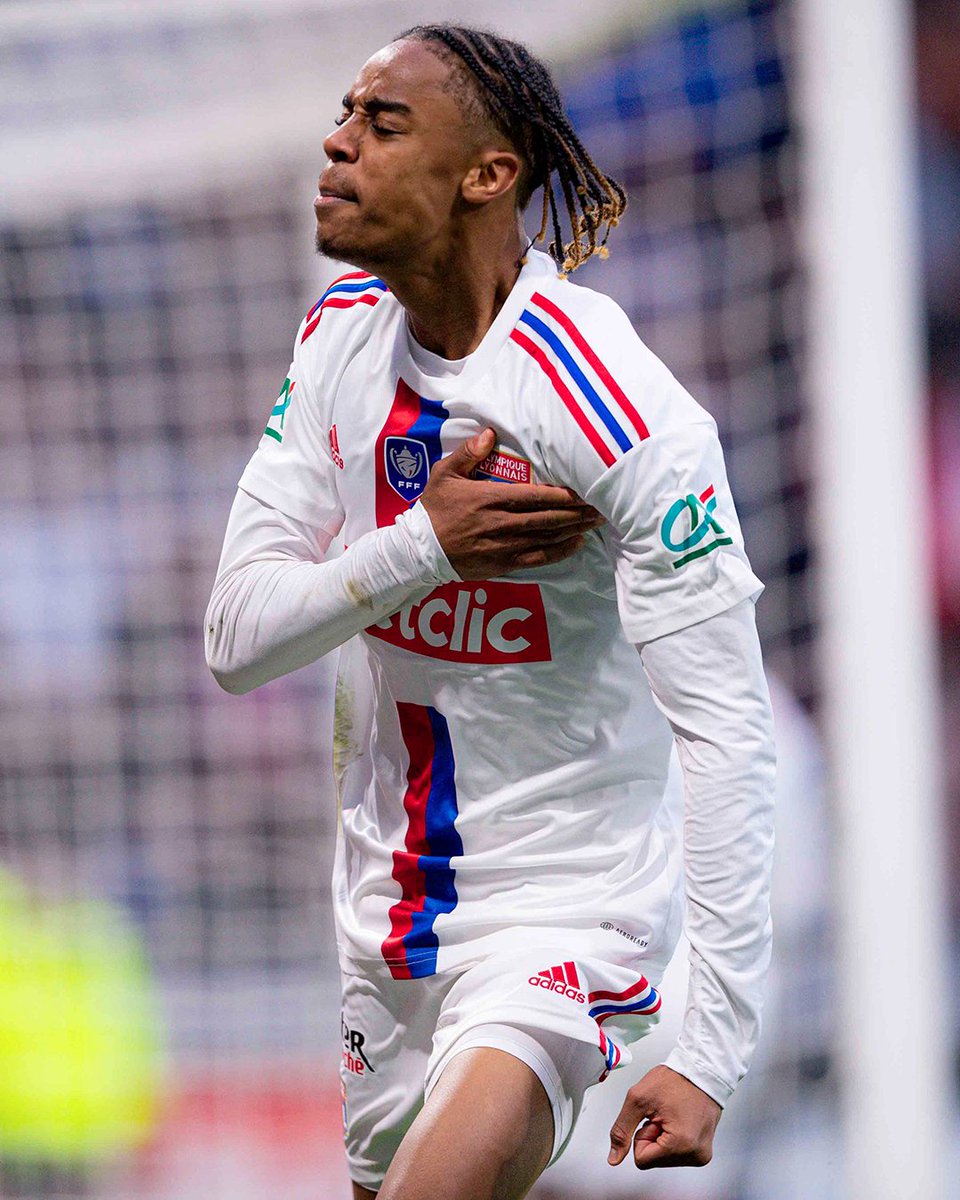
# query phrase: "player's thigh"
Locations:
[[485, 1133], [569, 1020], [386, 1030]]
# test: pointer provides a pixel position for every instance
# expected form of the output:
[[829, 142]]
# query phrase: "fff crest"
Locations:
[[407, 465]]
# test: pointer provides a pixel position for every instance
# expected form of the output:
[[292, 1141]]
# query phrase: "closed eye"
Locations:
[[380, 130], [372, 108]]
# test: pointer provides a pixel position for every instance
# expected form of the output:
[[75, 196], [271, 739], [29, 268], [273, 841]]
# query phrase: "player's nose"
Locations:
[[341, 144]]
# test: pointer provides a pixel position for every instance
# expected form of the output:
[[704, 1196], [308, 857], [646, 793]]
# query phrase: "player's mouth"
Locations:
[[328, 196]]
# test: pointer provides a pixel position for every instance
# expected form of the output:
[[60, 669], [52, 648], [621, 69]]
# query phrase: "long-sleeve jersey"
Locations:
[[501, 752]]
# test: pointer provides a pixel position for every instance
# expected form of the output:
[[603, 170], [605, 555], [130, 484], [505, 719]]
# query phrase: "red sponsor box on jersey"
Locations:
[[508, 468], [473, 623]]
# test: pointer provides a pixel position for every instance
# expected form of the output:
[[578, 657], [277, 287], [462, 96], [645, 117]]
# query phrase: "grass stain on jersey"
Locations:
[[356, 593], [345, 748]]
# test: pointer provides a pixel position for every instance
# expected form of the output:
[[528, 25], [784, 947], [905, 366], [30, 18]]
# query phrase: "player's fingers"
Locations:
[[464, 459], [561, 533], [530, 497], [652, 1147], [515, 541], [647, 1133], [652, 1154], [508, 542], [631, 1114], [553, 518], [543, 556], [515, 537]]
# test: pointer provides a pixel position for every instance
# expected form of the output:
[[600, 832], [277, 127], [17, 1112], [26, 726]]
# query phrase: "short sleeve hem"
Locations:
[[718, 599]]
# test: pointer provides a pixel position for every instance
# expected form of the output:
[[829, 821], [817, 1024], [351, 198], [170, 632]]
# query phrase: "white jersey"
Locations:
[[500, 762]]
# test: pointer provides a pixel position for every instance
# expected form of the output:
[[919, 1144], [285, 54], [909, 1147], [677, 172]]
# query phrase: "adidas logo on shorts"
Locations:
[[562, 980]]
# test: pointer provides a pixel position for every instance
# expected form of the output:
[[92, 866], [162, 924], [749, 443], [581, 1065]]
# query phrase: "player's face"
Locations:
[[396, 162]]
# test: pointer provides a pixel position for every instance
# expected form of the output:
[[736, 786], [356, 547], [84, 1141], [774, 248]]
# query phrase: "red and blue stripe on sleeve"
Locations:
[[358, 287], [589, 392]]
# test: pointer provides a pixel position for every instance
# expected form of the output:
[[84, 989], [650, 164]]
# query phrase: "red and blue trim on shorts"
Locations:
[[641, 998], [611, 1055], [423, 868]]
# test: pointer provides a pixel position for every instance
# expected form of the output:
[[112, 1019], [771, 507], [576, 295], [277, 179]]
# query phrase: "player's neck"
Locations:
[[452, 301]]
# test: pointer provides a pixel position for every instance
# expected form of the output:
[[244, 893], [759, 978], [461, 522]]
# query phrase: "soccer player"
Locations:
[[543, 590]]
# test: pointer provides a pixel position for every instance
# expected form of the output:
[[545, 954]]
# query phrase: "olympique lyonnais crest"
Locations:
[[504, 467], [407, 466]]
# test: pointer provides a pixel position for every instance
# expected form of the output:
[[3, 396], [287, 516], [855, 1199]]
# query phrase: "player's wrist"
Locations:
[[426, 555], [699, 1075]]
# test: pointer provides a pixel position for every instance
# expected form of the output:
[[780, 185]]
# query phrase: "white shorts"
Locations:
[[571, 1021]]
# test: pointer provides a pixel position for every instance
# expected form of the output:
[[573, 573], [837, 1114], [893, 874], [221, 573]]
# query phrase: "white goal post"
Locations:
[[878, 673]]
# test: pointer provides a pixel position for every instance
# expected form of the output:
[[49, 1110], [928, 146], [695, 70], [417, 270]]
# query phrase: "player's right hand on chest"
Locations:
[[488, 529]]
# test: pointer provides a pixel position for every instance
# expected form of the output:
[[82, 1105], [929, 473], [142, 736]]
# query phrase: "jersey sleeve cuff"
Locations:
[[425, 545], [700, 1075]]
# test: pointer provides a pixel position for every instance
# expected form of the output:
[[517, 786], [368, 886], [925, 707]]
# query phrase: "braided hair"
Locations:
[[517, 93]]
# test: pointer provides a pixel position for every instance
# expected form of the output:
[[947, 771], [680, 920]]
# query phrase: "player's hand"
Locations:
[[488, 529], [680, 1123]]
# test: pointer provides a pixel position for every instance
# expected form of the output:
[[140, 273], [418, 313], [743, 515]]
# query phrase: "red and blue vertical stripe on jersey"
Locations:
[[411, 431], [422, 868], [588, 390]]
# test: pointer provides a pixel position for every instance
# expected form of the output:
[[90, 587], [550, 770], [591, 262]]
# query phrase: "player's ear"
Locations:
[[491, 175]]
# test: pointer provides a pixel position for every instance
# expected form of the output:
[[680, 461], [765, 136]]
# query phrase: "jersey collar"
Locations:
[[536, 271]]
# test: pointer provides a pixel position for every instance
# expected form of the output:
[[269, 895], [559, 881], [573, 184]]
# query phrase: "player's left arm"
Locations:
[[708, 681], [652, 465], [686, 596]]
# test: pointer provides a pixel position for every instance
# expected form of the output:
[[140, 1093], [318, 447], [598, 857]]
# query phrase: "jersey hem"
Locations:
[[358, 963]]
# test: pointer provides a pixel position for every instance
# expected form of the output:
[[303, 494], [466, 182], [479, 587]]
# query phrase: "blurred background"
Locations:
[[168, 987]]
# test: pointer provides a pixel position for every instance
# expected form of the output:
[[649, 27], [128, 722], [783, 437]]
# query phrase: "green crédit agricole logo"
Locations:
[[688, 523], [280, 410]]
